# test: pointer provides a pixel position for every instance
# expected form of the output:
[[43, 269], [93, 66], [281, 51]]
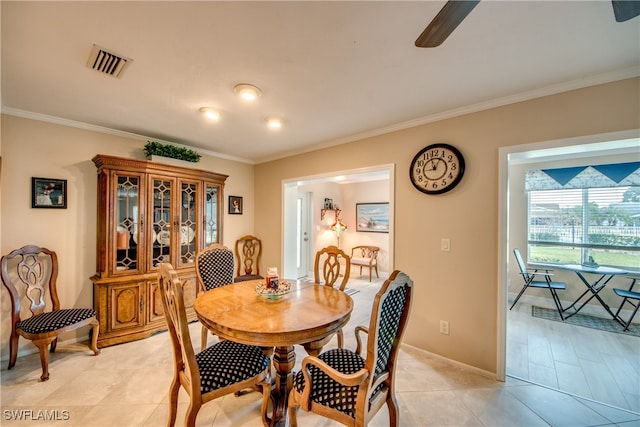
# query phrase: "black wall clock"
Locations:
[[437, 168]]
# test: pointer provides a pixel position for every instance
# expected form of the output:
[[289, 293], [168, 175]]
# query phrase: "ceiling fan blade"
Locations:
[[449, 17], [625, 9]]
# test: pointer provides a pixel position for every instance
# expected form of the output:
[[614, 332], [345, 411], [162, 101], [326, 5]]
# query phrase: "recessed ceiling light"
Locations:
[[210, 113], [274, 123], [247, 91]]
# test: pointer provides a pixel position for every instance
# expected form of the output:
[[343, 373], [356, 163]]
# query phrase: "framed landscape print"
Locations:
[[48, 193], [372, 217]]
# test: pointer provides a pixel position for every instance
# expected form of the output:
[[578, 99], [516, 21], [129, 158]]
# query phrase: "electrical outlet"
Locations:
[[445, 245], [444, 327]]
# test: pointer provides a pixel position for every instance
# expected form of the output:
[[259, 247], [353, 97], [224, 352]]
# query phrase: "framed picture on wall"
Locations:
[[372, 217], [48, 193], [235, 205]]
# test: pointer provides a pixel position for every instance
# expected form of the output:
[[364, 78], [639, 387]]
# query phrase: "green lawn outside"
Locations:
[[572, 256]]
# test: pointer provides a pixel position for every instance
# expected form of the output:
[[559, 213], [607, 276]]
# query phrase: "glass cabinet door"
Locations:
[[189, 195], [161, 221], [127, 220], [211, 214]]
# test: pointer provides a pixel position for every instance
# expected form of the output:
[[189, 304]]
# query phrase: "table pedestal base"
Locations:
[[284, 359]]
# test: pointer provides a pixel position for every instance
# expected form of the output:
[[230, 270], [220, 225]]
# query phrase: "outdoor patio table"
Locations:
[[600, 276]]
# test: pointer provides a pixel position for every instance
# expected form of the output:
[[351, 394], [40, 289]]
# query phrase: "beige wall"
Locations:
[[459, 286], [345, 196], [35, 148]]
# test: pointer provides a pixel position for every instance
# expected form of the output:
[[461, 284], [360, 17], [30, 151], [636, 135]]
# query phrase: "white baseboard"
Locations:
[[452, 362], [31, 348]]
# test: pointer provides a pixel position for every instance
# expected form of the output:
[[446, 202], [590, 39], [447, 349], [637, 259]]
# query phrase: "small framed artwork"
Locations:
[[235, 205], [48, 193], [372, 217]]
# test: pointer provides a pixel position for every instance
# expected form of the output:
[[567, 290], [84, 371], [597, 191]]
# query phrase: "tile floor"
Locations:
[[126, 385]]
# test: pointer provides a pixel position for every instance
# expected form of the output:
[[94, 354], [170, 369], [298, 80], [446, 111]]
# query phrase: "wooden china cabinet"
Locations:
[[148, 213]]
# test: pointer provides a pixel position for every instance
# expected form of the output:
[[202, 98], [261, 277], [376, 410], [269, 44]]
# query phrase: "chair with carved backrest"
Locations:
[[214, 268], [327, 270], [35, 270], [345, 386], [223, 368], [365, 256], [248, 253]]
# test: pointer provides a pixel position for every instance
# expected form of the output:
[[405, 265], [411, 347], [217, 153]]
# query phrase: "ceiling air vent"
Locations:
[[107, 62]]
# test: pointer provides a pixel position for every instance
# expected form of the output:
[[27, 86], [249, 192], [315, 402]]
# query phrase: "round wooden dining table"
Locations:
[[307, 315]]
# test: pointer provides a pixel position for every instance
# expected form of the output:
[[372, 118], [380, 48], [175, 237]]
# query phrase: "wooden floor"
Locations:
[[589, 363]]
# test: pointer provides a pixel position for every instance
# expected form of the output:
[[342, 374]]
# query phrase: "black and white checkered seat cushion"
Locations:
[[327, 391], [216, 268], [229, 362], [53, 320]]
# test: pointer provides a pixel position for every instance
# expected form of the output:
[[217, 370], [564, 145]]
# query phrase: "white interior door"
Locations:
[[303, 237]]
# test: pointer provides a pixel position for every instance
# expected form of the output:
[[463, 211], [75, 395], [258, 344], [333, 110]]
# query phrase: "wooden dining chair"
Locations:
[[347, 386], [214, 268], [248, 252], [630, 296], [223, 368], [327, 270], [530, 276], [31, 274], [365, 256]]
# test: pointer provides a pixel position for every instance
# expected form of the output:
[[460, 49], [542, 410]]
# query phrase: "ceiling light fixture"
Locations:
[[247, 91], [274, 123], [210, 113]]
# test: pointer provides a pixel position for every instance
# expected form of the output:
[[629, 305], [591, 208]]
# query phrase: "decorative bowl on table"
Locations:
[[284, 287]]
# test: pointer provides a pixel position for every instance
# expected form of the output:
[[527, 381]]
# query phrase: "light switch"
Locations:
[[445, 245]]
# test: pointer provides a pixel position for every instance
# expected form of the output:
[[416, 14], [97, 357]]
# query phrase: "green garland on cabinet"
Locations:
[[154, 148]]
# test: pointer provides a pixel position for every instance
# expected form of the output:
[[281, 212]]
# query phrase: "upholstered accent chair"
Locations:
[[214, 268], [223, 368], [30, 274], [327, 270], [248, 252], [350, 387], [365, 256]]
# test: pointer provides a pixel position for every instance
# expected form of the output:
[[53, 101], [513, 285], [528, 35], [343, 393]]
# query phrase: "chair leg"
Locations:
[[340, 339], [556, 301], [370, 272], [524, 288], [174, 389], [203, 335], [13, 349], [293, 410], [192, 413], [95, 330], [635, 310], [44, 356], [266, 396], [377, 275], [393, 409]]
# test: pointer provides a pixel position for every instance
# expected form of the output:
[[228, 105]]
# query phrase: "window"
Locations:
[[586, 225]]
